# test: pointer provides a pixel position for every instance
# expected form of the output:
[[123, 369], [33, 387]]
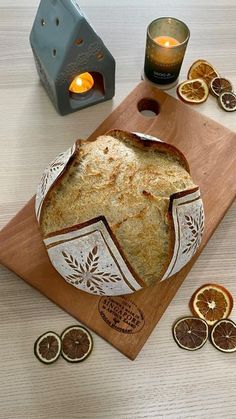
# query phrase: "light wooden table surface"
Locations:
[[164, 381]]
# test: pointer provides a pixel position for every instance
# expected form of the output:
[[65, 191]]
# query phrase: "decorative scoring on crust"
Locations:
[[50, 175], [89, 259], [186, 210]]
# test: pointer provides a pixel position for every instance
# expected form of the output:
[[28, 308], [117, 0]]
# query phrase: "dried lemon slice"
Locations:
[[190, 333], [211, 302], [203, 70], [223, 336], [219, 85], [227, 101], [193, 91], [77, 344], [47, 347]]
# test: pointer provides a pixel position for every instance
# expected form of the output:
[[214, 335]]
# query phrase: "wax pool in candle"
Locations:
[[82, 83], [166, 41]]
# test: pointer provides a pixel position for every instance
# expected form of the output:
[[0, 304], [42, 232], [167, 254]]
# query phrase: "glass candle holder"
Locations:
[[167, 39]]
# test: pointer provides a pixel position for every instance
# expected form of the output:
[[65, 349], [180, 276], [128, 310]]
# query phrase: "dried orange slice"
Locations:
[[77, 344], [203, 70], [219, 85], [193, 91], [223, 336], [47, 347], [227, 101], [190, 333], [211, 302]]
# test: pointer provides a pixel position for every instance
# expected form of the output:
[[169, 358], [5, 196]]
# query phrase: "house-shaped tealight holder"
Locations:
[[75, 67]]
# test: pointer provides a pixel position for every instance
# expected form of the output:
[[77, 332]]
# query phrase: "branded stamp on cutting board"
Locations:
[[126, 322]]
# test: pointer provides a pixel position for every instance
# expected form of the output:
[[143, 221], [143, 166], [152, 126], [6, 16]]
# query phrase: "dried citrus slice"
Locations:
[[223, 336], [77, 344], [219, 85], [203, 70], [211, 302], [47, 347], [193, 91], [228, 101], [190, 333]]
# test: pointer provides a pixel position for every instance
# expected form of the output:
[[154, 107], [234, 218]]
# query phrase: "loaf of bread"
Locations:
[[129, 181]]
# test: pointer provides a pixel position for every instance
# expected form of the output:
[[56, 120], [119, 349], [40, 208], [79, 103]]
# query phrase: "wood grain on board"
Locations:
[[126, 322]]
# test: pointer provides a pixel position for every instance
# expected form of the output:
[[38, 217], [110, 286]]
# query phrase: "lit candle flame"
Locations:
[[79, 81], [166, 41], [82, 83]]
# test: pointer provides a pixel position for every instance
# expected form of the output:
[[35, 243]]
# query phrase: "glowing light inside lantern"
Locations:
[[82, 83]]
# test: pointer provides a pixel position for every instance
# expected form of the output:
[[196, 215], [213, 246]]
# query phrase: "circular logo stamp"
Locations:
[[121, 314]]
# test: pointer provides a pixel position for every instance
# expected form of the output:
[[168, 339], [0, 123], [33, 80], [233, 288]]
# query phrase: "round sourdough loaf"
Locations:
[[129, 181]]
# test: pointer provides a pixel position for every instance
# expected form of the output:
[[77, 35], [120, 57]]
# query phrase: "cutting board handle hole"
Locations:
[[148, 107]]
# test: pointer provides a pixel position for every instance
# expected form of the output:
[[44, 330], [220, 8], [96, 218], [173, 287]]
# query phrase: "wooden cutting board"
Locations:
[[126, 322]]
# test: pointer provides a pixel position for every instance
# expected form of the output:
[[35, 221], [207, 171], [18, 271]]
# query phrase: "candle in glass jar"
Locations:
[[167, 40]]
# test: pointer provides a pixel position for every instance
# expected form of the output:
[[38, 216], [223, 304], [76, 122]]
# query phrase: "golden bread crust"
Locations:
[[128, 181]]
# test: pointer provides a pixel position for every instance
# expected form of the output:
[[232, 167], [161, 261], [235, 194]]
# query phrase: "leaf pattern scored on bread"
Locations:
[[88, 273], [53, 168], [50, 175], [196, 227]]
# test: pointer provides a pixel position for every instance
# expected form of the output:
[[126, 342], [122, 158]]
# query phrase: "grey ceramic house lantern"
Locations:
[[75, 67]]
